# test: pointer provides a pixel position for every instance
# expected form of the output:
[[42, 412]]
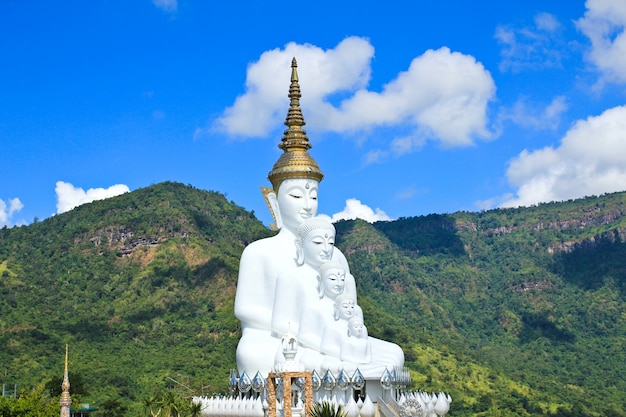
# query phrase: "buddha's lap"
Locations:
[[257, 351]]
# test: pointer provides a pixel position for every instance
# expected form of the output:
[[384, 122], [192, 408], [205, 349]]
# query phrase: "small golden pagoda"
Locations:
[[66, 400]]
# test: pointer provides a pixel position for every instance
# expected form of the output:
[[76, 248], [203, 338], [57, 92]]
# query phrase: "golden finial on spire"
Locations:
[[295, 162]]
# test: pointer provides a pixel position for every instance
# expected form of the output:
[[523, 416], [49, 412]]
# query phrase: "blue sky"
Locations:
[[411, 107]]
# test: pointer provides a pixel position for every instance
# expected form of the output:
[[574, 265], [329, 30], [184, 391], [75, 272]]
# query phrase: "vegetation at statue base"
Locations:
[[514, 312], [326, 409]]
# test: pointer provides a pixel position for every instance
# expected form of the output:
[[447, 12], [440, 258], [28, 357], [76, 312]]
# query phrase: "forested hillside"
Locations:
[[513, 312], [141, 286], [523, 308]]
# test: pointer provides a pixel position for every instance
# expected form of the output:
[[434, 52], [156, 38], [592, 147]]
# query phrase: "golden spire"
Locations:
[[66, 400], [295, 162]]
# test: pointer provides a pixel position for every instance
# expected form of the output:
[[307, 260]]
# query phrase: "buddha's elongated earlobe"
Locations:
[[299, 253], [272, 204], [320, 287]]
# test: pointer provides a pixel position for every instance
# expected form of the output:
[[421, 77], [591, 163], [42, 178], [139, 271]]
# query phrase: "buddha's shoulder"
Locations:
[[266, 246]]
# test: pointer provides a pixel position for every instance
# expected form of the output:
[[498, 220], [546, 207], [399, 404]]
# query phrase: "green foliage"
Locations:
[[514, 312], [533, 296], [326, 409], [141, 286], [112, 408], [33, 403], [170, 403]]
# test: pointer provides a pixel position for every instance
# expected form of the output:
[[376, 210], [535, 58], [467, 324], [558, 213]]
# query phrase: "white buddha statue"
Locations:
[[295, 178]]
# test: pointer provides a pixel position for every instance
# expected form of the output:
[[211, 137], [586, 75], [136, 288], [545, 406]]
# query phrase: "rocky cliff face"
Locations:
[[617, 235]]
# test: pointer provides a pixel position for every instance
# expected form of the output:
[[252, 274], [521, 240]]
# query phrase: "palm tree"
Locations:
[[326, 409], [149, 405], [171, 404], [195, 409]]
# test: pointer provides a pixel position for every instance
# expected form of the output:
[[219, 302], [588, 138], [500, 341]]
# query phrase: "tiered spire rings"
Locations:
[[295, 162]]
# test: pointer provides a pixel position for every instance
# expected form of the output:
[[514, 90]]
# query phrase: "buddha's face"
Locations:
[[345, 308], [356, 327], [334, 281], [318, 246], [297, 201]]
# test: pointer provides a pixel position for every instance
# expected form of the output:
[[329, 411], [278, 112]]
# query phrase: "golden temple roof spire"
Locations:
[[295, 162], [295, 121], [66, 400]]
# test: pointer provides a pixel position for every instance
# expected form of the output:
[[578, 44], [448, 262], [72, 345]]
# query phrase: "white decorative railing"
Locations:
[[219, 406], [248, 396], [409, 404], [422, 404], [230, 406]]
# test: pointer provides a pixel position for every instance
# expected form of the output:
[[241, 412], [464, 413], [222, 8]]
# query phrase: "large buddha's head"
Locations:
[[295, 176], [297, 201]]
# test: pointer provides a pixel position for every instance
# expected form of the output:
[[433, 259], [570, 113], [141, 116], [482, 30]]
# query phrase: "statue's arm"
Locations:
[[252, 300], [331, 341], [285, 311], [311, 329]]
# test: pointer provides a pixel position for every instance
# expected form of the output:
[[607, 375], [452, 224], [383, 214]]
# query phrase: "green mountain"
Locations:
[[514, 312]]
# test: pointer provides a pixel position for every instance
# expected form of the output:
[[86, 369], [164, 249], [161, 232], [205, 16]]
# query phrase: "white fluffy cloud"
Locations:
[[69, 197], [533, 116], [604, 23], [533, 47], [443, 95], [8, 210], [590, 160], [321, 73], [354, 209], [168, 6]]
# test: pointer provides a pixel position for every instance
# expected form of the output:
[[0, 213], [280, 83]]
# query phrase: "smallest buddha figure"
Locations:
[[355, 347]]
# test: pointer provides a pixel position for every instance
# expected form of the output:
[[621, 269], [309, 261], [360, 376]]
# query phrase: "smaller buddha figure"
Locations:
[[345, 307], [297, 287], [297, 304], [331, 282], [336, 328], [336, 331], [355, 347]]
